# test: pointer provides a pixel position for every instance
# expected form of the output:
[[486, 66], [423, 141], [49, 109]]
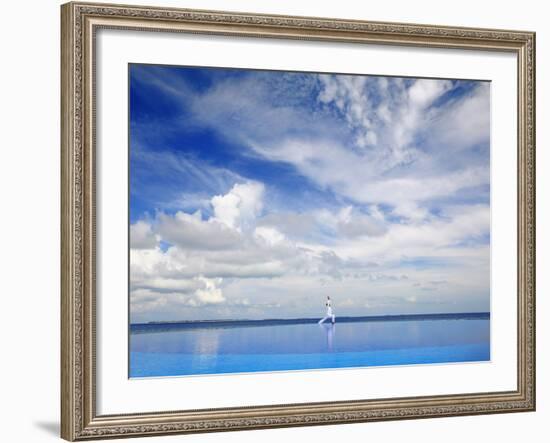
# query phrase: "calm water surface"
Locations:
[[216, 350]]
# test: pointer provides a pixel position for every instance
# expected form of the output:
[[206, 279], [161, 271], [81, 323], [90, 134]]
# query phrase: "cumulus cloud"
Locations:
[[240, 206], [211, 293], [190, 231], [205, 253], [141, 236], [165, 294]]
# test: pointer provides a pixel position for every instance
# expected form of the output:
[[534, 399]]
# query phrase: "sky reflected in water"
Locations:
[[212, 350]]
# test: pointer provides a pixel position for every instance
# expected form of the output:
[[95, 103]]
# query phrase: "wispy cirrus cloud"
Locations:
[[389, 133]]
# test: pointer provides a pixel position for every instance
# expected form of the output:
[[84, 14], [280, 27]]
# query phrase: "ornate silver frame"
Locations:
[[80, 21]]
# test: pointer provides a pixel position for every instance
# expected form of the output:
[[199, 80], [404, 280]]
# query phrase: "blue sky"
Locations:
[[255, 194]]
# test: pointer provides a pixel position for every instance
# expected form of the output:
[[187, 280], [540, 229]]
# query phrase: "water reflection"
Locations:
[[206, 348], [329, 329], [307, 346], [307, 338]]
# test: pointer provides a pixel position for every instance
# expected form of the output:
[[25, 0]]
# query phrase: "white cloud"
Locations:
[[190, 231], [438, 238], [141, 236], [349, 222], [386, 114], [424, 92], [269, 235], [359, 225], [240, 206], [161, 284], [170, 294], [210, 294], [219, 246], [291, 224], [465, 123], [414, 189], [353, 176], [394, 170], [411, 211], [362, 251]]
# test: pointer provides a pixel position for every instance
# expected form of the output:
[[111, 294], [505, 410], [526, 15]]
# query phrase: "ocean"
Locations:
[[221, 347]]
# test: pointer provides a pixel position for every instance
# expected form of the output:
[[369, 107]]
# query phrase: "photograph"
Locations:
[[285, 221], [277, 218]]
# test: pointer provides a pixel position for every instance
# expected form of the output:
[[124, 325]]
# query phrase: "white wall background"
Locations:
[[29, 221]]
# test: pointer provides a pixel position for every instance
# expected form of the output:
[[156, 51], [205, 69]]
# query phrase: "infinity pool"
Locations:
[[218, 348]]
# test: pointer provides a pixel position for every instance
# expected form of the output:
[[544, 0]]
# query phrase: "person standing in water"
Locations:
[[330, 315]]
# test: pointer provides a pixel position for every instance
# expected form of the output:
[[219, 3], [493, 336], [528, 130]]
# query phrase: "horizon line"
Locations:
[[307, 319]]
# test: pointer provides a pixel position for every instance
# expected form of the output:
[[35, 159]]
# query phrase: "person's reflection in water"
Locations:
[[329, 329]]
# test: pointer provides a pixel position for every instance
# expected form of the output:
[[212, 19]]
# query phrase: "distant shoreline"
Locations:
[[194, 324]]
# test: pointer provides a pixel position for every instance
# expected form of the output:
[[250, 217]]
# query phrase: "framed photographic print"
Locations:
[[284, 221]]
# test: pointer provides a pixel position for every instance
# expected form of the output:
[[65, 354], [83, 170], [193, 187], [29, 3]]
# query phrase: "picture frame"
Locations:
[[79, 206]]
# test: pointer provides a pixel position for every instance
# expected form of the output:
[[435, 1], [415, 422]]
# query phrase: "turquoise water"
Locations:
[[191, 349]]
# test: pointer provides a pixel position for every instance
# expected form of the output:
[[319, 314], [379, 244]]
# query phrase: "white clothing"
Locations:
[[329, 308], [330, 315]]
